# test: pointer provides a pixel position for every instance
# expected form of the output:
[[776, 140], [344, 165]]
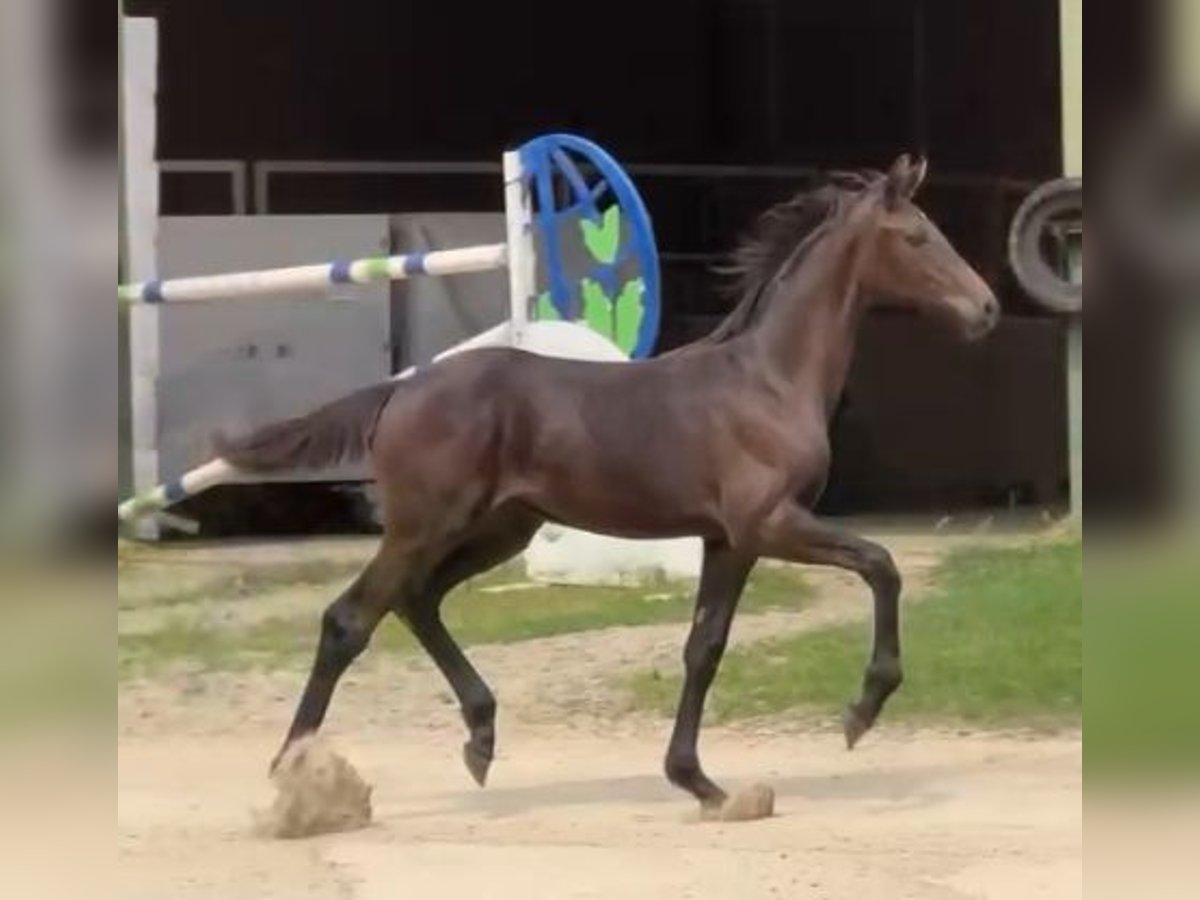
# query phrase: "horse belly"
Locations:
[[629, 497]]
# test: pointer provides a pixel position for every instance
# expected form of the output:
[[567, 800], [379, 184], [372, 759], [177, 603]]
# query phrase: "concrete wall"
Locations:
[[238, 363]]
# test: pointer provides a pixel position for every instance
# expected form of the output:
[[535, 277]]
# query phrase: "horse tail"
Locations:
[[339, 431]]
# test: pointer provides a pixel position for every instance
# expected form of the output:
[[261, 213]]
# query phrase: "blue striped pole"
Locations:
[[298, 278]]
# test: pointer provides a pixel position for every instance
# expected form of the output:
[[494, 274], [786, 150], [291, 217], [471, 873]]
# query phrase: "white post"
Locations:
[[141, 172], [1071, 49], [518, 218]]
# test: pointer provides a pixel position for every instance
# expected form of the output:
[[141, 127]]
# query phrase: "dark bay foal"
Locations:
[[725, 439]]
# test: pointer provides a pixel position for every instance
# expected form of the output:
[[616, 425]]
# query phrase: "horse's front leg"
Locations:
[[794, 534], [722, 578]]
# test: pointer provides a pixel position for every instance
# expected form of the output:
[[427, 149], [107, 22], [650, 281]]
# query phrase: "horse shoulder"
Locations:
[[767, 455]]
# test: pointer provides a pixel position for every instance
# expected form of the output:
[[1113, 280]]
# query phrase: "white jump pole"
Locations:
[[231, 285], [517, 255]]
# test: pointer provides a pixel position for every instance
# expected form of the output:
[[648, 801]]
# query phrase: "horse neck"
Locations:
[[807, 332]]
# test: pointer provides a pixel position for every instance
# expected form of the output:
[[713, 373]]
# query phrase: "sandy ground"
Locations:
[[571, 815], [576, 806]]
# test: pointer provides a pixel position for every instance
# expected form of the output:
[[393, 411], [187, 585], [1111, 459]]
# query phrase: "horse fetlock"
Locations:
[[480, 714], [683, 770], [883, 677]]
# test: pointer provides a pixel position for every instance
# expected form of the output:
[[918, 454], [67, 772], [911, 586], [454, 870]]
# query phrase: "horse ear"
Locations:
[[903, 179], [896, 180], [920, 170]]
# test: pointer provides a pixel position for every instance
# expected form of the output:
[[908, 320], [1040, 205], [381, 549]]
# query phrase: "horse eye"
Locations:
[[917, 238]]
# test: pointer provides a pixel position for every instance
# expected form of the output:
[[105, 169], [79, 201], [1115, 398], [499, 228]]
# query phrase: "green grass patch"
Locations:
[[1143, 721], [998, 642], [144, 584], [477, 613]]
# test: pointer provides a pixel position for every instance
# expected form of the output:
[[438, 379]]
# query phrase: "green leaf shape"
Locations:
[[628, 315], [602, 240], [597, 308], [545, 310]]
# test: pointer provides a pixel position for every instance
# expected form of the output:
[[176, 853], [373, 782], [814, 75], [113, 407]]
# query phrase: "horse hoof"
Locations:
[[478, 762], [853, 727]]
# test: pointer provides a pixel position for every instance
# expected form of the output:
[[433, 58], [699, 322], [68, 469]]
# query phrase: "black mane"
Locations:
[[781, 237]]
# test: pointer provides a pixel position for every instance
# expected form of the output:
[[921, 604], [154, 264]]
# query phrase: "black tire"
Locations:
[[1048, 202]]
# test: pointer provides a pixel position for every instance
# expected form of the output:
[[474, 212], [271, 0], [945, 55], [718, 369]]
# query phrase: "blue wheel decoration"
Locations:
[[596, 256]]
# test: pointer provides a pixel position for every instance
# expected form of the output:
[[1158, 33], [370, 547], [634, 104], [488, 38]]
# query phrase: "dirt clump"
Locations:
[[746, 805], [318, 792]]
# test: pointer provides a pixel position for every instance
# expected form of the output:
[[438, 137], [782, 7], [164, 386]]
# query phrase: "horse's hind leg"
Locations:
[[493, 541], [346, 629], [793, 533]]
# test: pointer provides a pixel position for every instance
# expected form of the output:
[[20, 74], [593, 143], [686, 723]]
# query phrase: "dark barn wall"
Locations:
[[1129, 464], [991, 73], [769, 82], [369, 79]]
